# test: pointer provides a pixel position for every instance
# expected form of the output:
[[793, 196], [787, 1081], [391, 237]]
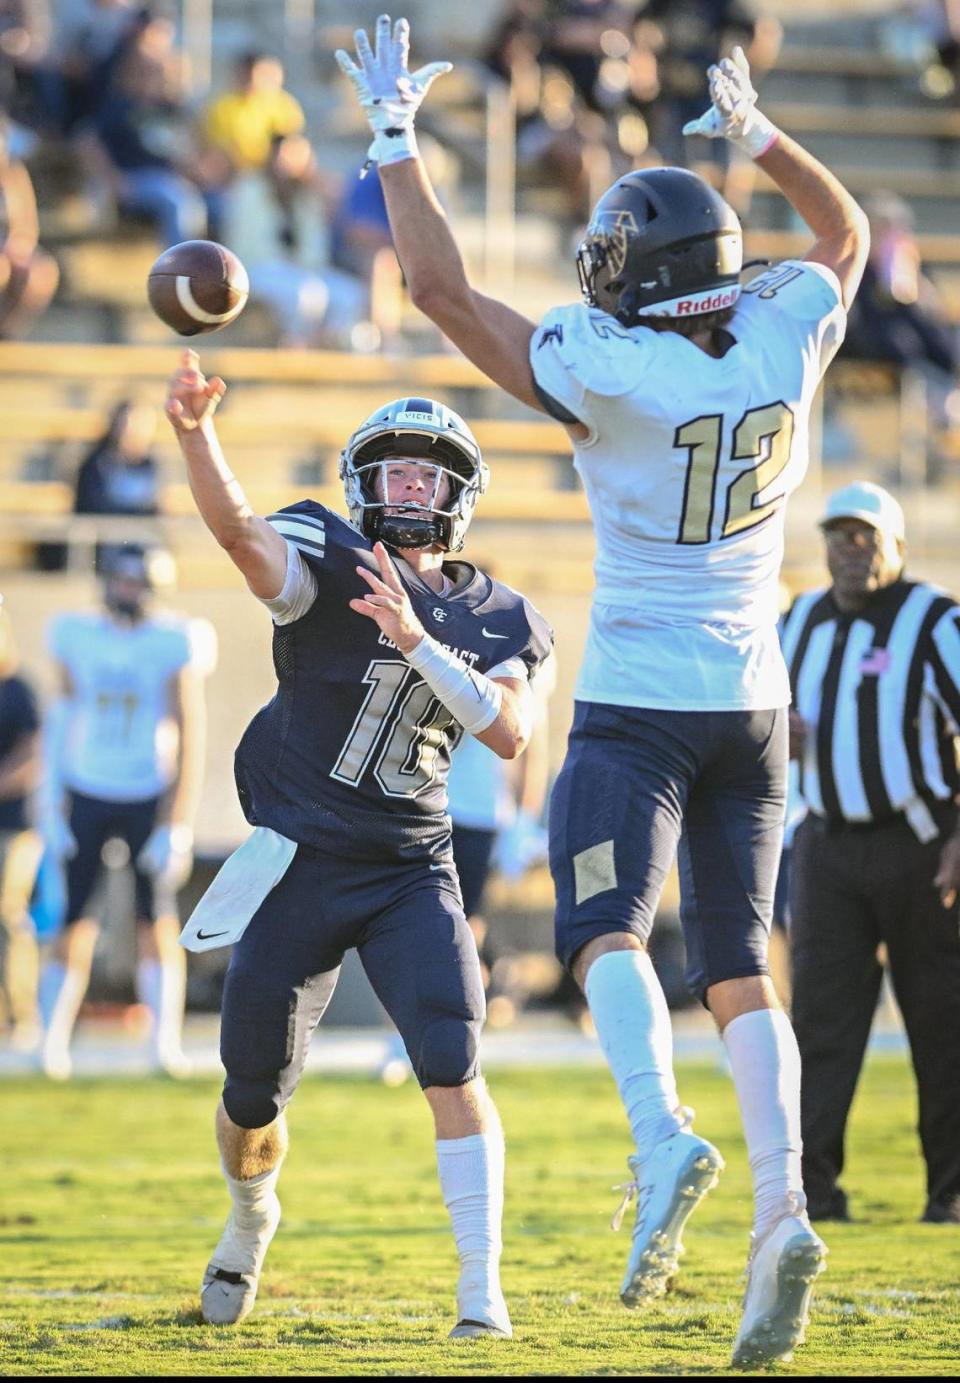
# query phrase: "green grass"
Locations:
[[110, 1201]]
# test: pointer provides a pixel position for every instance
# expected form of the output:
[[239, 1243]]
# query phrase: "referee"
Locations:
[[875, 671]]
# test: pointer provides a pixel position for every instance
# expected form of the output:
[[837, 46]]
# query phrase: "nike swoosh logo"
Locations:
[[437, 866], [208, 936], [487, 635]]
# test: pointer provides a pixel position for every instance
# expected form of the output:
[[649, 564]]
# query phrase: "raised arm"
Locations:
[[255, 548], [489, 333], [836, 219]]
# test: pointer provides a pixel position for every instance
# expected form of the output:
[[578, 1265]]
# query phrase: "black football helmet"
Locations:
[[661, 242]]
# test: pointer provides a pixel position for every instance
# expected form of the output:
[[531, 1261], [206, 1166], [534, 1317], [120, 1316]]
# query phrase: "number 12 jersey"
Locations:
[[687, 466]]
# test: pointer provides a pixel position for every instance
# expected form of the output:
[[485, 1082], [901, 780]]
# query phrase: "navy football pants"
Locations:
[[406, 921], [639, 786]]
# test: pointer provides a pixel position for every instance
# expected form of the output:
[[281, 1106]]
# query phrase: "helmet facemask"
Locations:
[[403, 520]]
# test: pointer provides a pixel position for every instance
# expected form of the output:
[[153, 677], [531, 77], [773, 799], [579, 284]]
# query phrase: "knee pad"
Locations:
[[252, 1103], [448, 1052]]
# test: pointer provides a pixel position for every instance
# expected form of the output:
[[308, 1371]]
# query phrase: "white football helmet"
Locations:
[[432, 434]]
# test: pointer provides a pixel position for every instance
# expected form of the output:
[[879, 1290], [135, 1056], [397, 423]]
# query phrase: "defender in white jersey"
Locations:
[[687, 401], [124, 757]]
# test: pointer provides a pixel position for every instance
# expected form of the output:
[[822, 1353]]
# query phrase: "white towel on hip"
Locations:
[[243, 881]]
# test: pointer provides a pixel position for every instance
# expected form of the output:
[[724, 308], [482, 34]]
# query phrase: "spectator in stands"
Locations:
[[24, 41], [689, 36], [20, 845], [898, 315], [28, 275], [140, 144], [551, 55], [87, 36], [238, 129], [277, 220], [119, 474]]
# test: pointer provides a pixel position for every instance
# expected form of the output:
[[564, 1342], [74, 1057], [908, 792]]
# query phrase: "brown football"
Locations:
[[197, 286]]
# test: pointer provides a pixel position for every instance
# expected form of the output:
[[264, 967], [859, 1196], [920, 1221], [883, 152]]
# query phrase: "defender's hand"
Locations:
[[388, 603], [388, 92], [192, 399], [733, 113]]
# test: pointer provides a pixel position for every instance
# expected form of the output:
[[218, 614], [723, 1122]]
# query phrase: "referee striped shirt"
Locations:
[[879, 691]]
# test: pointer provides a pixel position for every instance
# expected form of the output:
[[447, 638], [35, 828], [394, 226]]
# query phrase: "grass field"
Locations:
[[111, 1201]]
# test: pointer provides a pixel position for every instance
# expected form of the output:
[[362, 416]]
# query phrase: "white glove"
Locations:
[[167, 855], [389, 93], [58, 839], [520, 846], [733, 114]]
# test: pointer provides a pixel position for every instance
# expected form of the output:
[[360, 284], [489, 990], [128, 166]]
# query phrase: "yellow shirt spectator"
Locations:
[[243, 121]]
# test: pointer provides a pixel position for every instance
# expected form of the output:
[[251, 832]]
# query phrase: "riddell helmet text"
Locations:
[[719, 300]]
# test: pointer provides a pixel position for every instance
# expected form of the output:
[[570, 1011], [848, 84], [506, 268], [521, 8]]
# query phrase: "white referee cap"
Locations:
[[870, 504]]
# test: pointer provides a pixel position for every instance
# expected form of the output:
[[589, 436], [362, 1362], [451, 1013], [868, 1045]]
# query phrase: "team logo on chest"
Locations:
[[439, 613]]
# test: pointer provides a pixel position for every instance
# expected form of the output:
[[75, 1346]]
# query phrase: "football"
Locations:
[[197, 286]]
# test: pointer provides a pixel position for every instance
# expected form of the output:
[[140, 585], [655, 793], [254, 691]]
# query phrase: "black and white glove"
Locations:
[[388, 91], [733, 113]]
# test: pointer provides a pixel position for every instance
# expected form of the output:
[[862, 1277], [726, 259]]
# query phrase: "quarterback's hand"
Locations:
[[167, 855], [733, 113], [947, 877], [388, 91], [388, 603], [192, 398], [58, 839]]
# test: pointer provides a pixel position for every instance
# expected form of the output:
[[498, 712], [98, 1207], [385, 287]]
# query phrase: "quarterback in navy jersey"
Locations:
[[385, 655], [353, 751]]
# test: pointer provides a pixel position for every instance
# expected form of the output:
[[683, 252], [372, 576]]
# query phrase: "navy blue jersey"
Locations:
[[352, 753]]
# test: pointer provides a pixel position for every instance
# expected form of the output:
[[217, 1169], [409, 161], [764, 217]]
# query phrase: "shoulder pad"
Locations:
[[589, 347]]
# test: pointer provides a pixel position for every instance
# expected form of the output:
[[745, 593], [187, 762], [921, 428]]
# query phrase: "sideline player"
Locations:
[[385, 655], [688, 406], [124, 747]]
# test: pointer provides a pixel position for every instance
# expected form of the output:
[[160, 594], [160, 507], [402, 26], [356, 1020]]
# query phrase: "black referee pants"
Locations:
[[849, 891]]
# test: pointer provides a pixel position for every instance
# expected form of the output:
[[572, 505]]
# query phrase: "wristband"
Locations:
[[757, 136], [473, 699], [393, 145]]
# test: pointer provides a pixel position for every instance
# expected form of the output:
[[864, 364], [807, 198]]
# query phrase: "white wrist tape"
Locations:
[[472, 698], [391, 146]]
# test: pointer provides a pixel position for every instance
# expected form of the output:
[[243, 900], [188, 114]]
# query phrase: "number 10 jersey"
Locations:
[[688, 464], [351, 755]]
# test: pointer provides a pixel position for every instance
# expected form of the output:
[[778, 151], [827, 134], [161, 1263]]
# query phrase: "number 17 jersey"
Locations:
[[687, 467]]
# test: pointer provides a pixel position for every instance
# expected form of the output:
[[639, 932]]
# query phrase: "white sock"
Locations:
[[61, 994], [633, 1025], [161, 987], [471, 1182], [252, 1222], [765, 1062], [52, 976]]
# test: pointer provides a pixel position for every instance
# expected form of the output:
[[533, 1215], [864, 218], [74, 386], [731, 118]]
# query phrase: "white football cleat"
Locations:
[[668, 1185], [229, 1286], [781, 1271], [481, 1312]]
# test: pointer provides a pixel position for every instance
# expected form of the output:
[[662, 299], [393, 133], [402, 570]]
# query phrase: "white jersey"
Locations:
[[687, 466], [121, 739]]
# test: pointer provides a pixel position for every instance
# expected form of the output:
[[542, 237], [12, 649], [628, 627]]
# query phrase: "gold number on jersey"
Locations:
[[701, 437], [763, 435], [766, 433]]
